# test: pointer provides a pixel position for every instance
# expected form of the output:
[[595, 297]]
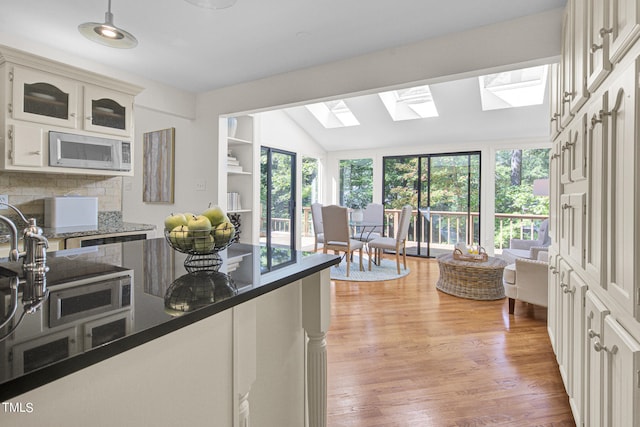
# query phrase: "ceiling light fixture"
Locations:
[[212, 4], [107, 33]]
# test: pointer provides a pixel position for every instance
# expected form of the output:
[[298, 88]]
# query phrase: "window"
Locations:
[[333, 114], [409, 104], [356, 183], [516, 88], [519, 210]]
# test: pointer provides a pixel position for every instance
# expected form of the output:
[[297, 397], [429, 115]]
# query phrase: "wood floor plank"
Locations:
[[401, 353]]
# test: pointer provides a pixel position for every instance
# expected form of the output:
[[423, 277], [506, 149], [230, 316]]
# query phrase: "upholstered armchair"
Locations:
[[521, 248], [526, 280]]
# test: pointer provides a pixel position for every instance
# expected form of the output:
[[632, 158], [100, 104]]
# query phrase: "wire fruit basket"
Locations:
[[202, 249]]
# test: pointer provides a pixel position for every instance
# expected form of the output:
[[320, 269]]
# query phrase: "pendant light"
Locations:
[[107, 33], [212, 4]]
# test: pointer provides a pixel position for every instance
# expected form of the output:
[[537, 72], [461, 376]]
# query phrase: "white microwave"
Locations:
[[68, 150]]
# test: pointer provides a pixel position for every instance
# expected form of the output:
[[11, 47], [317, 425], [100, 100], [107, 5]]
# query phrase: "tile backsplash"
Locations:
[[28, 190]]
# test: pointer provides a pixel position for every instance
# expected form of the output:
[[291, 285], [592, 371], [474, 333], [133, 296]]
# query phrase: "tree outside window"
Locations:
[[356, 183]]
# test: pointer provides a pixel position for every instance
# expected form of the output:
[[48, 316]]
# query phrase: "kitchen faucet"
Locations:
[[34, 267]]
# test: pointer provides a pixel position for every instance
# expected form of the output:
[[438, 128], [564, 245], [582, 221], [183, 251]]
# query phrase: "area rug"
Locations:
[[387, 270]]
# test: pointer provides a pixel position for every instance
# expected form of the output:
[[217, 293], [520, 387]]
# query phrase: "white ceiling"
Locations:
[[200, 49]]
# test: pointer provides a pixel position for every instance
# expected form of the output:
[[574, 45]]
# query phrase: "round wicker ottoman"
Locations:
[[473, 280]]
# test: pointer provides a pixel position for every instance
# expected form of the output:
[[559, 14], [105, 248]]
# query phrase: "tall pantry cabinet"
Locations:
[[594, 289]]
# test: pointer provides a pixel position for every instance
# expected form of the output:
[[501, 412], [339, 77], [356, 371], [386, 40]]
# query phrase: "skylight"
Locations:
[[510, 89], [409, 104], [333, 114]]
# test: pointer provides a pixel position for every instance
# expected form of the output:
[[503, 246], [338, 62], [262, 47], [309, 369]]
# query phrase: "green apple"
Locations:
[[215, 214], [174, 220], [179, 237], [199, 226], [203, 244], [222, 233]]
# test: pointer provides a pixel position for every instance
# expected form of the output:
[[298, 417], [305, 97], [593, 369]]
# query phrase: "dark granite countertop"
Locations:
[[160, 300]]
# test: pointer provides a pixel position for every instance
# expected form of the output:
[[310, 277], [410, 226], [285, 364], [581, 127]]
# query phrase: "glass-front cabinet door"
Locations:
[[44, 98], [107, 111]]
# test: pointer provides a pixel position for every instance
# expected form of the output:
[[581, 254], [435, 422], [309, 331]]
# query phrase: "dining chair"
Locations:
[[398, 243], [318, 231], [335, 221], [373, 214]]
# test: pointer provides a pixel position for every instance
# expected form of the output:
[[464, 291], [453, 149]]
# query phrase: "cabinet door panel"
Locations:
[[572, 228], [576, 293], [44, 98], [554, 191], [553, 282], [624, 27], [621, 188], [595, 312], [566, 70], [107, 111], [596, 200], [27, 145], [579, 54], [623, 362], [576, 149], [598, 65], [565, 323]]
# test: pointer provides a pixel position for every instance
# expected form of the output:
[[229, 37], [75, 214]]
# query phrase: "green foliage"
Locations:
[[356, 182]]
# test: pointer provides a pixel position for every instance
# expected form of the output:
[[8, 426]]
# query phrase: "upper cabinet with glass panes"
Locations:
[[46, 98]]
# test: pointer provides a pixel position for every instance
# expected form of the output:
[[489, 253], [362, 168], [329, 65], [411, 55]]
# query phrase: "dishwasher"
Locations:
[[104, 239]]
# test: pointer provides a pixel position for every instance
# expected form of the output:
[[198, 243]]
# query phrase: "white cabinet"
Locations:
[[595, 312], [596, 208], [41, 96], [598, 64], [107, 111], [612, 369], [622, 187], [621, 400], [578, 93], [624, 27], [45, 98], [554, 290], [566, 71], [572, 228]]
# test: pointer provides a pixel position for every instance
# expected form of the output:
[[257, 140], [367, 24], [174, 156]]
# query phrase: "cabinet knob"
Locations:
[[35, 153], [604, 31], [592, 334], [595, 47], [566, 206], [568, 95], [599, 347], [89, 118], [566, 290], [72, 115]]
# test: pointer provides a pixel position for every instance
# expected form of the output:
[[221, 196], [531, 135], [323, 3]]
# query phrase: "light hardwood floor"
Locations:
[[401, 353]]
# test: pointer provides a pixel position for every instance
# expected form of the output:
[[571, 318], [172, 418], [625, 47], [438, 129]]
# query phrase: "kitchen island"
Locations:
[[172, 347]]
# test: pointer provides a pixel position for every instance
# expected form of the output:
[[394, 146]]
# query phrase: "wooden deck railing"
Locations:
[[446, 227]]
